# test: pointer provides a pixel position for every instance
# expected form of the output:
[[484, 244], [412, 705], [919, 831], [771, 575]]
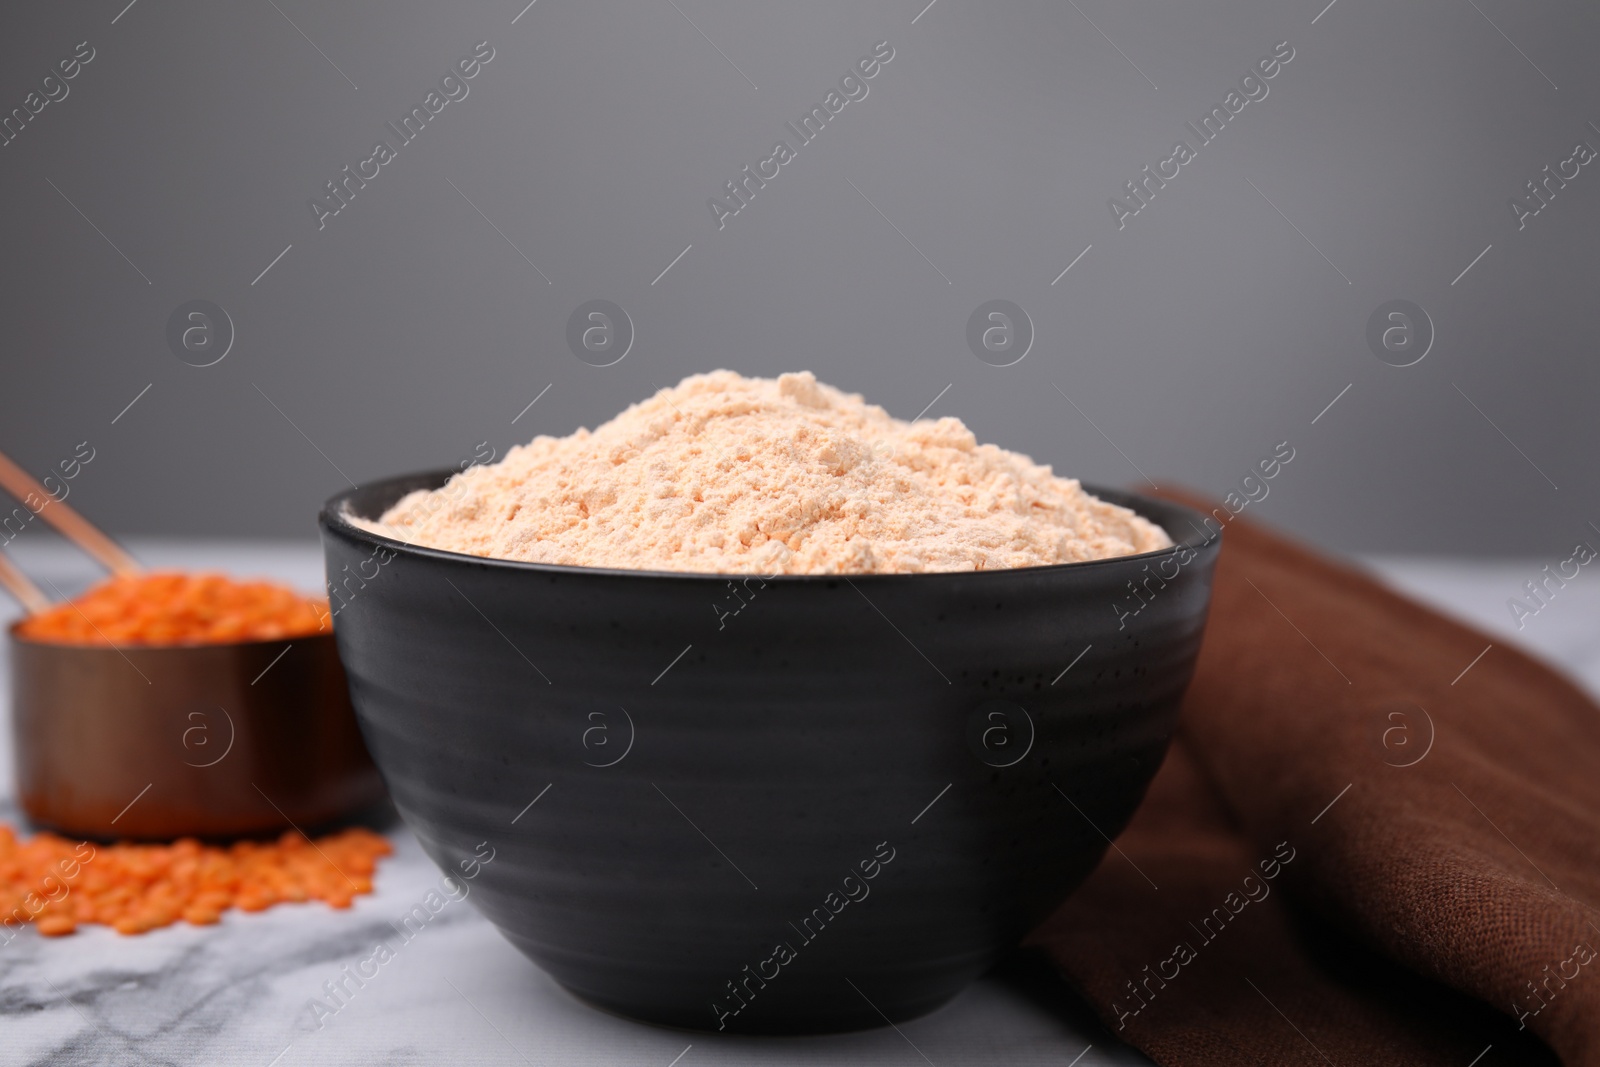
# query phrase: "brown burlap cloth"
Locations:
[[1354, 853]]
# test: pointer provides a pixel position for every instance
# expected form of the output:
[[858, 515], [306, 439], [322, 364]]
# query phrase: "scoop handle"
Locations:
[[17, 584], [77, 529]]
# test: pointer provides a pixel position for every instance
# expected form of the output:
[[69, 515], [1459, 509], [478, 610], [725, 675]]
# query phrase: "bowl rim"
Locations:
[[334, 518]]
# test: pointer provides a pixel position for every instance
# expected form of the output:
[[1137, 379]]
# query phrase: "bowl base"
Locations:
[[792, 1020]]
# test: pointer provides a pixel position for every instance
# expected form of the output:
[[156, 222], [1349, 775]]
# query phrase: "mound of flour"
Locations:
[[727, 474]]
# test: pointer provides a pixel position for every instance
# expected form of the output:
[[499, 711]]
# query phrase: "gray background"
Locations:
[[1197, 338]]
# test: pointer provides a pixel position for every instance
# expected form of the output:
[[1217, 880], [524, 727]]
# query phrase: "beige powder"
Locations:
[[726, 474]]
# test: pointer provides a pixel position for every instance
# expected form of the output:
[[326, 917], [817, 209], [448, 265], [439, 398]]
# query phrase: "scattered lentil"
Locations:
[[58, 884]]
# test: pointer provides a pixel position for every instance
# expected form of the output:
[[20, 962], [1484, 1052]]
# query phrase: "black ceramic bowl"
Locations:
[[803, 804]]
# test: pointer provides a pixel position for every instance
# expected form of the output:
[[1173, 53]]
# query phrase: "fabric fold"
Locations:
[[1440, 797]]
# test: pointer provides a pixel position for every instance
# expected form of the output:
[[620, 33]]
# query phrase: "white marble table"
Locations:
[[238, 993]]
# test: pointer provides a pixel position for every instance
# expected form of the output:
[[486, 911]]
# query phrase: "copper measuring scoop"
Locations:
[[155, 742]]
